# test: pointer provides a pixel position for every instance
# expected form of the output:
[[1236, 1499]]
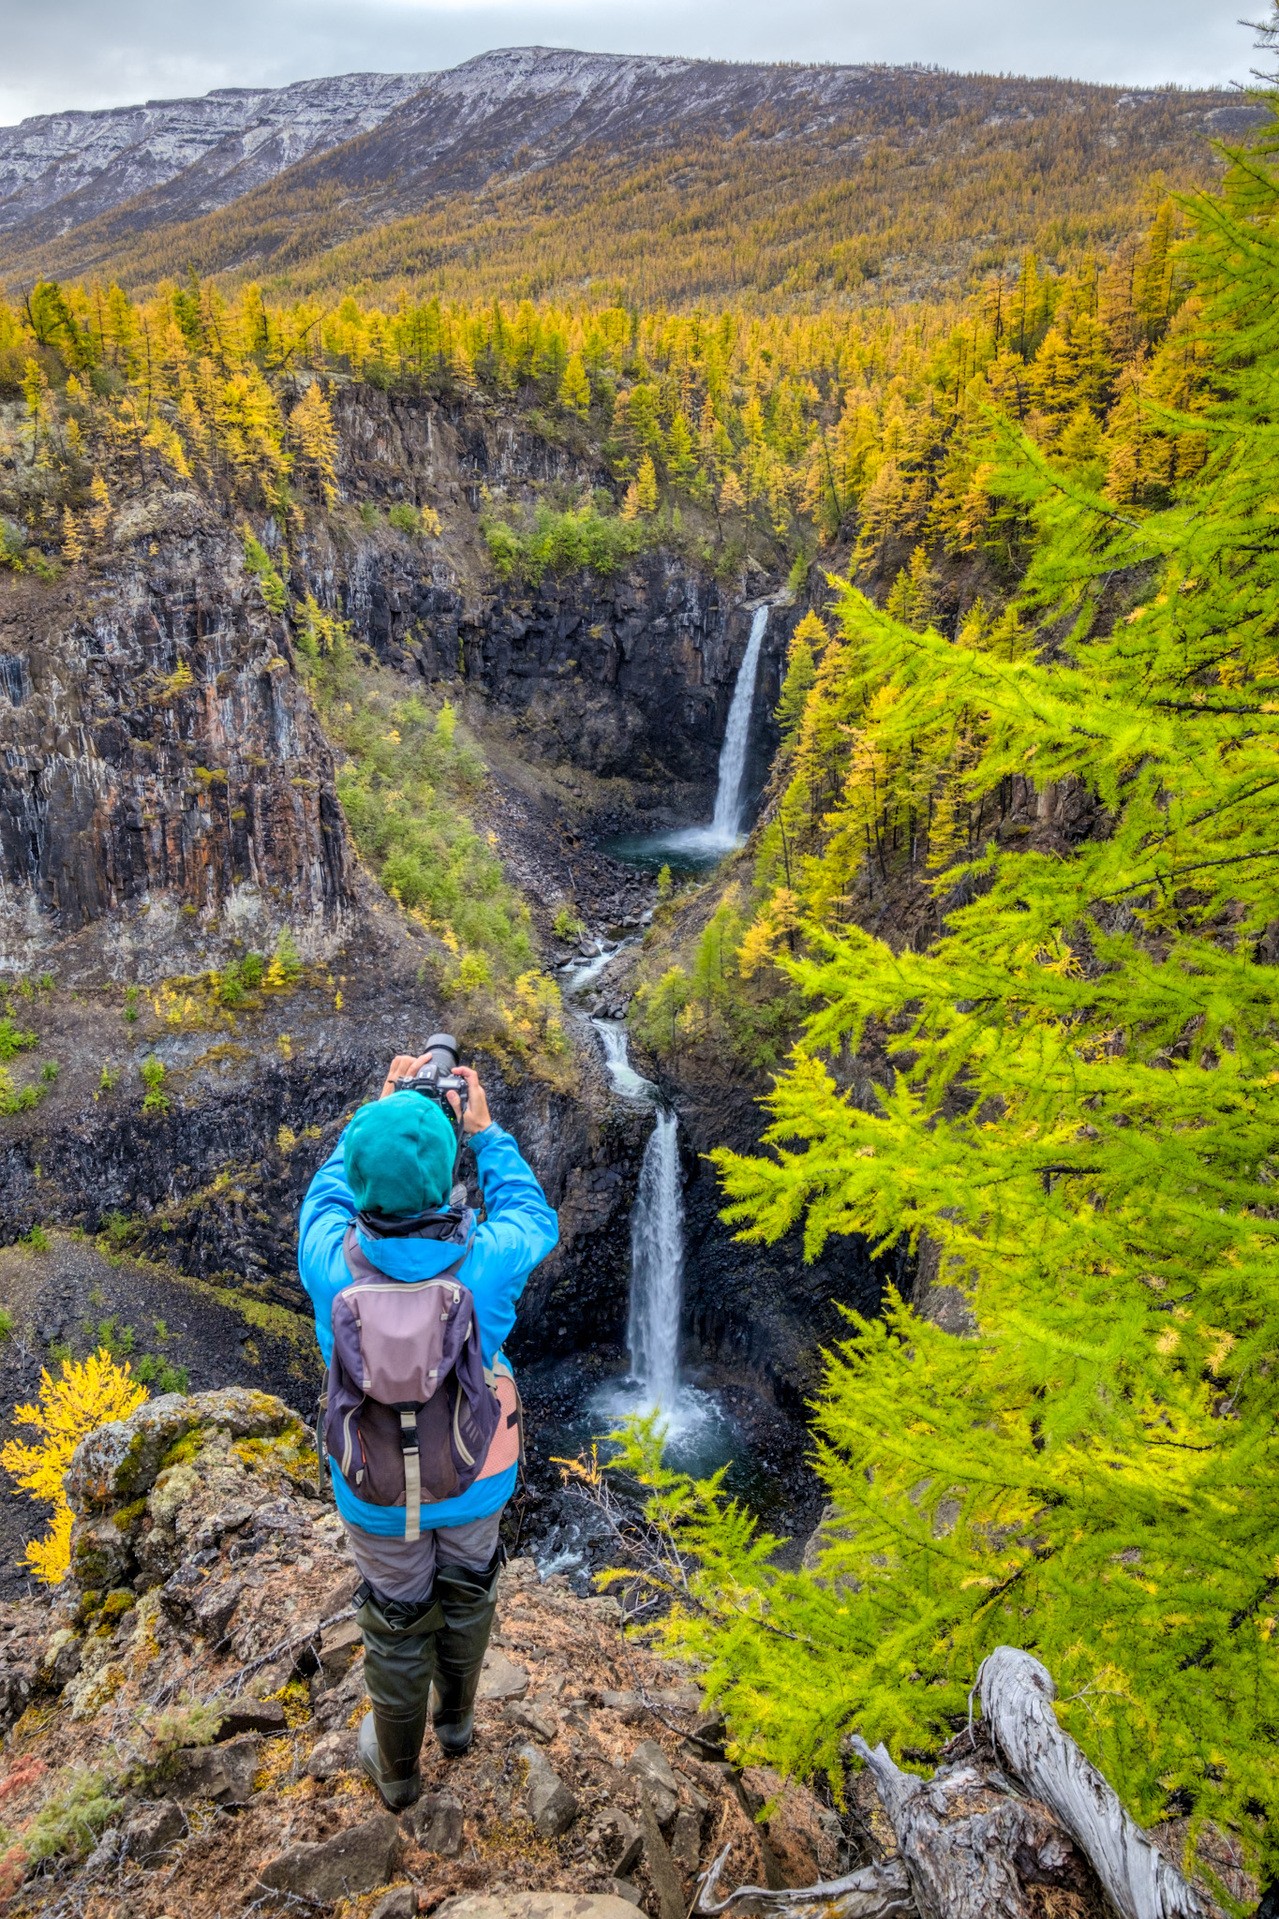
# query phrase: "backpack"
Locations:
[[411, 1408]]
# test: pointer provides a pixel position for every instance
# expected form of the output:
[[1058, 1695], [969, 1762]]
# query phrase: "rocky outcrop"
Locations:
[[201, 1673], [160, 756]]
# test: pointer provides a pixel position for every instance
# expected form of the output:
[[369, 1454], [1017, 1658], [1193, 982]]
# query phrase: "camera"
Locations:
[[437, 1079]]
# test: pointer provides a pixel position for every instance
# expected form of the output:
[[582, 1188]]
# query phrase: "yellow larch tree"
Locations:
[[87, 1394]]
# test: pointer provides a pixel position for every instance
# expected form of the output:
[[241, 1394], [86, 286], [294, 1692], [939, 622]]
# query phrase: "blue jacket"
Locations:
[[520, 1230]]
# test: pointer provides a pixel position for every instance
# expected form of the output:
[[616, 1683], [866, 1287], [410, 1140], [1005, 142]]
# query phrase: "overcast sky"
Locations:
[[82, 53]]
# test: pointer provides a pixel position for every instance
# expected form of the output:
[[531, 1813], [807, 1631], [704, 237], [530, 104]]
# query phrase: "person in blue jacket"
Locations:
[[426, 1603]]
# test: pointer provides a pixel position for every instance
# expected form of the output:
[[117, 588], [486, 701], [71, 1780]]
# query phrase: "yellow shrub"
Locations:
[[87, 1394]]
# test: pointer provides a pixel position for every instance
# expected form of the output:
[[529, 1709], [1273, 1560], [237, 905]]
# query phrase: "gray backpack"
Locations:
[[411, 1407]]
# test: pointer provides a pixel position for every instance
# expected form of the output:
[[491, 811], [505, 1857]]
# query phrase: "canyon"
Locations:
[[169, 799]]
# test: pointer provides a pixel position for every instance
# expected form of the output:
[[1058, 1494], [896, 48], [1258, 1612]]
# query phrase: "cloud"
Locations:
[[78, 53]]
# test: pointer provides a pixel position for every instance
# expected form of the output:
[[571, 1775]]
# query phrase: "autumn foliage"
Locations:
[[86, 1394]]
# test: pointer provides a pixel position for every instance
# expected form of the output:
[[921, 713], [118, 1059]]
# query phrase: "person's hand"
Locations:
[[403, 1066], [477, 1115]]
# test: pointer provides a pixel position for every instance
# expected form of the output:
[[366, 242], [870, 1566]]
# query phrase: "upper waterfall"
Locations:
[[703, 845], [726, 825]]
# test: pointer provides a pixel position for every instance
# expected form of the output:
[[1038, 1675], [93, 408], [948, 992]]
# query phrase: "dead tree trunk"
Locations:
[[1013, 1810], [972, 1850], [1016, 1701]]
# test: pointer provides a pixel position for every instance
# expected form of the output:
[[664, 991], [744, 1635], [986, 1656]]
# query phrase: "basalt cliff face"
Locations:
[[159, 750]]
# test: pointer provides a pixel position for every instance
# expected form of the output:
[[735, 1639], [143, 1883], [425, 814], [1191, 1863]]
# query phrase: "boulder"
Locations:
[[435, 1823], [552, 1807], [152, 1829], [501, 1678], [399, 1903], [338, 1646], [252, 1715], [332, 1706], [342, 1867], [333, 1752], [119, 1463], [686, 1840], [707, 1736], [615, 1840], [223, 1774], [649, 1765]]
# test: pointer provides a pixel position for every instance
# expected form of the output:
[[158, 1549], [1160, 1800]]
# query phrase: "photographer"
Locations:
[[413, 1300]]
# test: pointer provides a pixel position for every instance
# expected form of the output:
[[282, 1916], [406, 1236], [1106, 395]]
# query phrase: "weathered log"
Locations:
[[1016, 1701], [972, 1849], [880, 1891]]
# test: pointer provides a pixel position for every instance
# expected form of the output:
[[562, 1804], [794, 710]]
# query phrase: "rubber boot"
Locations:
[[399, 1663], [469, 1601]]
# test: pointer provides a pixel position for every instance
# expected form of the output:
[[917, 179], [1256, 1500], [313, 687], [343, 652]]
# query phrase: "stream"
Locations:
[[701, 1435]]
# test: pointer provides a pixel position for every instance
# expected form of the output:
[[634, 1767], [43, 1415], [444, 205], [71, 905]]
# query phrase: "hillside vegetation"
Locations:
[[1075, 1109], [783, 188]]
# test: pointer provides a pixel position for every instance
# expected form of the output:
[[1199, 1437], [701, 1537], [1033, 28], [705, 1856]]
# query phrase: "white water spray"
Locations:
[[657, 1243], [657, 1267], [617, 1061]]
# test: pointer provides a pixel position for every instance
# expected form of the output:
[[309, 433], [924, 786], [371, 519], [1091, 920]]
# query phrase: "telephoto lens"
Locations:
[[443, 1051], [437, 1079]]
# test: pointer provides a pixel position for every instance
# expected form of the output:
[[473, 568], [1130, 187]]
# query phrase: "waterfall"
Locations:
[[657, 1233], [657, 1266], [617, 1061], [726, 827]]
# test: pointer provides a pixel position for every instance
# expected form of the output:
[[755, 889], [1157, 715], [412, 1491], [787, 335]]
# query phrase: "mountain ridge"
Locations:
[[57, 169], [268, 183]]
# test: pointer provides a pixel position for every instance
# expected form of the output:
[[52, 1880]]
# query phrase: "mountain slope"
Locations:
[[172, 159], [537, 170]]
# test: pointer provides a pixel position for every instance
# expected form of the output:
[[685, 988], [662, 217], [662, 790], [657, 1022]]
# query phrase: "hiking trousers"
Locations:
[[424, 1641], [404, 1569]]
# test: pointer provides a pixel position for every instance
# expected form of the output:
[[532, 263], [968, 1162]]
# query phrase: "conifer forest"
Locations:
[[370, 569]]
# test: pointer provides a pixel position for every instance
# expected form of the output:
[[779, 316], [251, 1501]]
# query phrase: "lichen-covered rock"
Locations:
[[118, 1464]]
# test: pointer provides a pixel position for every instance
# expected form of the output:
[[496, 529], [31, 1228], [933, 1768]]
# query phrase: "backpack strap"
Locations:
[[412, 1472]]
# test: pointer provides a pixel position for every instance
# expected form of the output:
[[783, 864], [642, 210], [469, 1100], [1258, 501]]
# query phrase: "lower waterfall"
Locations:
[[657, 1267]]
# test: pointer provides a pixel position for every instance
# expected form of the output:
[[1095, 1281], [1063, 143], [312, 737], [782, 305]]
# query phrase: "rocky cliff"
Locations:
[[159, 754]]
